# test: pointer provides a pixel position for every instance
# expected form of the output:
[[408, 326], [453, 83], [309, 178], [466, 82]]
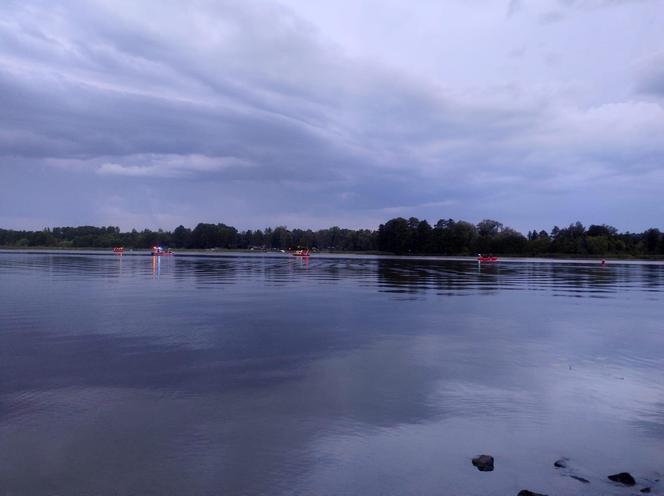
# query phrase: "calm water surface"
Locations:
[[336, 376]]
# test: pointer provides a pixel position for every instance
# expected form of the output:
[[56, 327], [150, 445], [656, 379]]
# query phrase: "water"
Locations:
[[333, 376]]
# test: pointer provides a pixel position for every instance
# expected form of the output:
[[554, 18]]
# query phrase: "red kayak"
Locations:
[[487, 259]]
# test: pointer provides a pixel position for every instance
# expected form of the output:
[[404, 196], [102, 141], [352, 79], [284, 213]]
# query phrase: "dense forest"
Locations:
[[399, 235]]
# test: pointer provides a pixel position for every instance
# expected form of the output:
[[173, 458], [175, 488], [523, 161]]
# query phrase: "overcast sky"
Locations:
[[312, 114]]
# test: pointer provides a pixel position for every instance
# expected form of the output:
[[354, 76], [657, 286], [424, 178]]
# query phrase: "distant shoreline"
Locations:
[[399, 236], [339, 253]]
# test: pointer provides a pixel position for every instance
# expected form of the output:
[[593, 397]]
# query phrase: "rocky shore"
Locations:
[[486, 463]]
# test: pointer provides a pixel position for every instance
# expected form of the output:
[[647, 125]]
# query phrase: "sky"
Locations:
[[260, 113]]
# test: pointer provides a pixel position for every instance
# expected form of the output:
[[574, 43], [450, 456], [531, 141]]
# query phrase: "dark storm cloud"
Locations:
[[257, 102], [330, 115]]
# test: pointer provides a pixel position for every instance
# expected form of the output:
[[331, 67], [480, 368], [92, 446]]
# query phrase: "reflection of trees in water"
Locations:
[[447, 277], [407, 276], [67, 265], [415, 276], [652, 277], [454, 277], [231, 270], [205, 271], [271, 271], [596, 281]]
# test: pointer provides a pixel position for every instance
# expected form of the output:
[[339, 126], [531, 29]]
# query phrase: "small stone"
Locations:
[[580, 479], [525, 492], [623, 478], [561, 463], [645, 490], [484, 463]]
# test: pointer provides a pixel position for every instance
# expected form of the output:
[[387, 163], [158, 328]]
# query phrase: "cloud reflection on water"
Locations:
[[253, 375]]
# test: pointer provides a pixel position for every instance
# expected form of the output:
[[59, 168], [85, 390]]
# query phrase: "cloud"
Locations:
[[240, 100], [651, 78], [552, 17], [170, 166], [513, 7], [599, 3]]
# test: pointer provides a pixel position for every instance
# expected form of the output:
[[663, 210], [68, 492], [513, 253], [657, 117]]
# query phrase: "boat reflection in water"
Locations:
[[156, 267]]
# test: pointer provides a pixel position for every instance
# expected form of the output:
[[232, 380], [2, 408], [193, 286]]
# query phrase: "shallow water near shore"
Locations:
[[328, 376]]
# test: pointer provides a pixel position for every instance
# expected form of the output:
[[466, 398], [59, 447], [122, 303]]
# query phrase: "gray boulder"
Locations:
[[484, 463], [623, 478]]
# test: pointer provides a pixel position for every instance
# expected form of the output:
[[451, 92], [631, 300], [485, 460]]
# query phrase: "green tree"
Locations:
[[394, 236], [181, 237]]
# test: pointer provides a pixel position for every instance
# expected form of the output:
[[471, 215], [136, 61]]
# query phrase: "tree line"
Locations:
[[399, 236]]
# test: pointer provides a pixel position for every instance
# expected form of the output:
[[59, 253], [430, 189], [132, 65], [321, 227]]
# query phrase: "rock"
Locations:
[[564, 463], [525, 492], [646, 490], [484, 463], [623, 478]]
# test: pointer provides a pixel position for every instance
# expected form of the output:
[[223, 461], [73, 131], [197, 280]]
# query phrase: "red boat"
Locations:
[[158, 251], [300, 253], [480, 258], [118, 250]]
